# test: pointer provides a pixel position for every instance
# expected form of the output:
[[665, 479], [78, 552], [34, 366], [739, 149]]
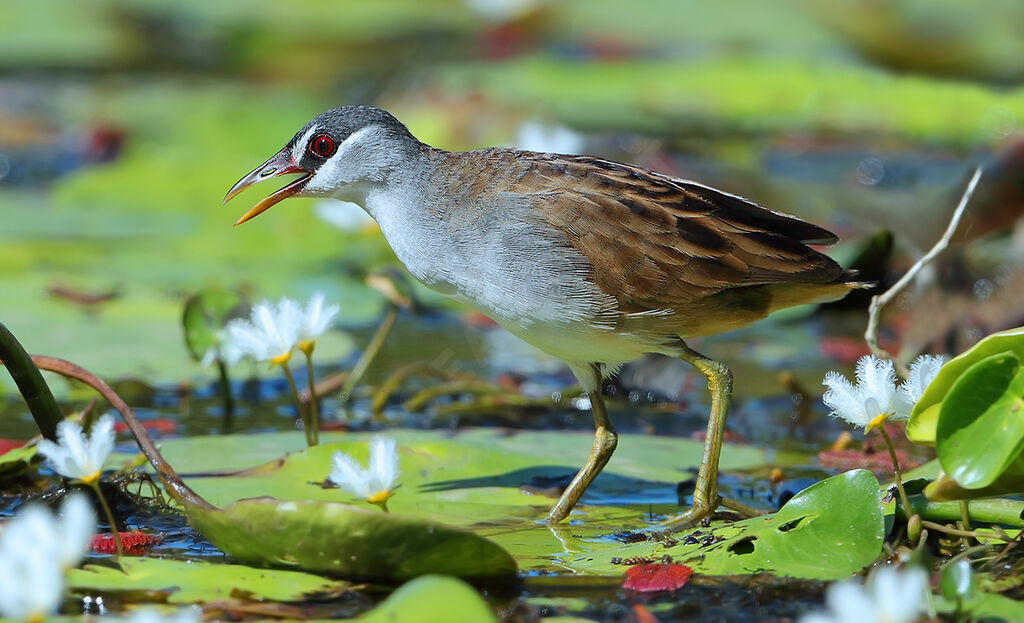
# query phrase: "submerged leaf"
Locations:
[[653, 577]]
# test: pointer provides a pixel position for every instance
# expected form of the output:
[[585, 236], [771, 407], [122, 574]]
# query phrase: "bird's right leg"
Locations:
[[605, 441]]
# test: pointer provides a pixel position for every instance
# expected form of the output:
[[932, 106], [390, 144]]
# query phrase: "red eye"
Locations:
[[322, 145]]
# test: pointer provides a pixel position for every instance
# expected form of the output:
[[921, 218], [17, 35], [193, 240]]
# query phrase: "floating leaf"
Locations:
[[194, 582], [653, 577], [133, 543], [432, 599], [925, 416], [827, 531], [329, 537], [981, 422]]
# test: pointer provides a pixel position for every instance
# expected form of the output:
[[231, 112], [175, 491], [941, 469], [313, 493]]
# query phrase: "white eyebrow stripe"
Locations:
[[300, 144]]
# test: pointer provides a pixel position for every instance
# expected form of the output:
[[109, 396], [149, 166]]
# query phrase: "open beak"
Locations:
[[280, 163]]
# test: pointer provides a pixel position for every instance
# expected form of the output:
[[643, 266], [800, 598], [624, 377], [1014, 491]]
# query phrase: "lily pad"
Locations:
[[432, 599], [335, 538], [981, 423], [924, 418], [183, 582], [828, 531], [205, 314]]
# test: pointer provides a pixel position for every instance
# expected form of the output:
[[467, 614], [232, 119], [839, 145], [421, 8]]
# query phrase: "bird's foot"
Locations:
[[692, 517]]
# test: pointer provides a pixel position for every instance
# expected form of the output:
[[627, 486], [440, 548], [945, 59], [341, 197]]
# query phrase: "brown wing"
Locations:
[[657, 243]]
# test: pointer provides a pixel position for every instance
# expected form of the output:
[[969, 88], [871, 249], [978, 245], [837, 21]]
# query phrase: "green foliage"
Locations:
[[828, 531], [981, 426], [182, 582], [924, 418], [205, 314], [432, 599], [328, 537]]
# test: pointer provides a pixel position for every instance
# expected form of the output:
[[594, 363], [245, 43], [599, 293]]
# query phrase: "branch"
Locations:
[[878, 302]]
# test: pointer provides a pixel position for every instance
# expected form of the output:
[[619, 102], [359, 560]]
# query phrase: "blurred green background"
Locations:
[[123, 123]]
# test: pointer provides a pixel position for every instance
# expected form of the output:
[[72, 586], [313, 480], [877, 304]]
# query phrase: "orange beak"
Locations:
[[280, 163]]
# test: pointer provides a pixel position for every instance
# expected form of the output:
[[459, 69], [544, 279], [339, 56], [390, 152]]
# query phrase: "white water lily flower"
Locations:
[[35, 550], [374, 484], [78, 457], [316, 319], [151, 615], [271, 332], [224, 349], [873, 399], [923, 371], [889, 596]]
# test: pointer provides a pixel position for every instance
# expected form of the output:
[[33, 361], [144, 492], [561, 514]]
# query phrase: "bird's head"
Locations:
[[341, 153]]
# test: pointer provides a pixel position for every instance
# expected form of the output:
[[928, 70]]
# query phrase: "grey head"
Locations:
[[341, 153]]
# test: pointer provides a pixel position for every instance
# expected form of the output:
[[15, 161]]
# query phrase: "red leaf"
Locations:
[[877, 462], [656, 576], [642, 614], [161, 425], [6, 445], [133, 543]]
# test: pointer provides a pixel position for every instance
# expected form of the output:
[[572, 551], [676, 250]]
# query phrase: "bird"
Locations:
[[594, 261]]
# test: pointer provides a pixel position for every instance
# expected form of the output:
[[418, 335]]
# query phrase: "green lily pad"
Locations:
[[196, 582], [924, 418], [981, 424], [828, 531], [329, 537], [432, 599]]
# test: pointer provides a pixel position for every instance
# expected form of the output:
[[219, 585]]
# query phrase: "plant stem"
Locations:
[[1000, 511], [931, 525], [298, 405], [176, 487], [110, 517], [895, 466], [369, 353], [31, 384], [225, 393], [314, 400]]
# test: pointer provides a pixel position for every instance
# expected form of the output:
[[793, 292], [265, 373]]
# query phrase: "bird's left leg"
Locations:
[[705, 495], [605, 441]]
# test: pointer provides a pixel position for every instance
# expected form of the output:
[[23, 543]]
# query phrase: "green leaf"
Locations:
[[329, 537], [981, 423], [194, 582], [924, 418], [828, 531], [432, 599], [205, 314]]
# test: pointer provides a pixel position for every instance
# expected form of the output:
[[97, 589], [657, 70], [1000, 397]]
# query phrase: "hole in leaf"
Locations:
[[743, 546], [789, 525]]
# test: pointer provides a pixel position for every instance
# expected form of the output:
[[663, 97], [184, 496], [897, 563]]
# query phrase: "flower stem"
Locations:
[[369, 354], [314, 401], [298, 405], [896, 468], [225, 393], [110, 517]]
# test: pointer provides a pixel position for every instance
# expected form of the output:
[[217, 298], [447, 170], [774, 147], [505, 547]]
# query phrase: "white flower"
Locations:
[[271, 332], [152, 615], [316, 319], [75, 529], [374, 484], [35, 549], [889, 596], [344, 215], [556, 139], [75, 456], [923, 371], [874, 395], [224, 349]]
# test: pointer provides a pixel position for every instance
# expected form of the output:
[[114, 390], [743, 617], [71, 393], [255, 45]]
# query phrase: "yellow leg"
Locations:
[[705, 495], [605, 441]]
